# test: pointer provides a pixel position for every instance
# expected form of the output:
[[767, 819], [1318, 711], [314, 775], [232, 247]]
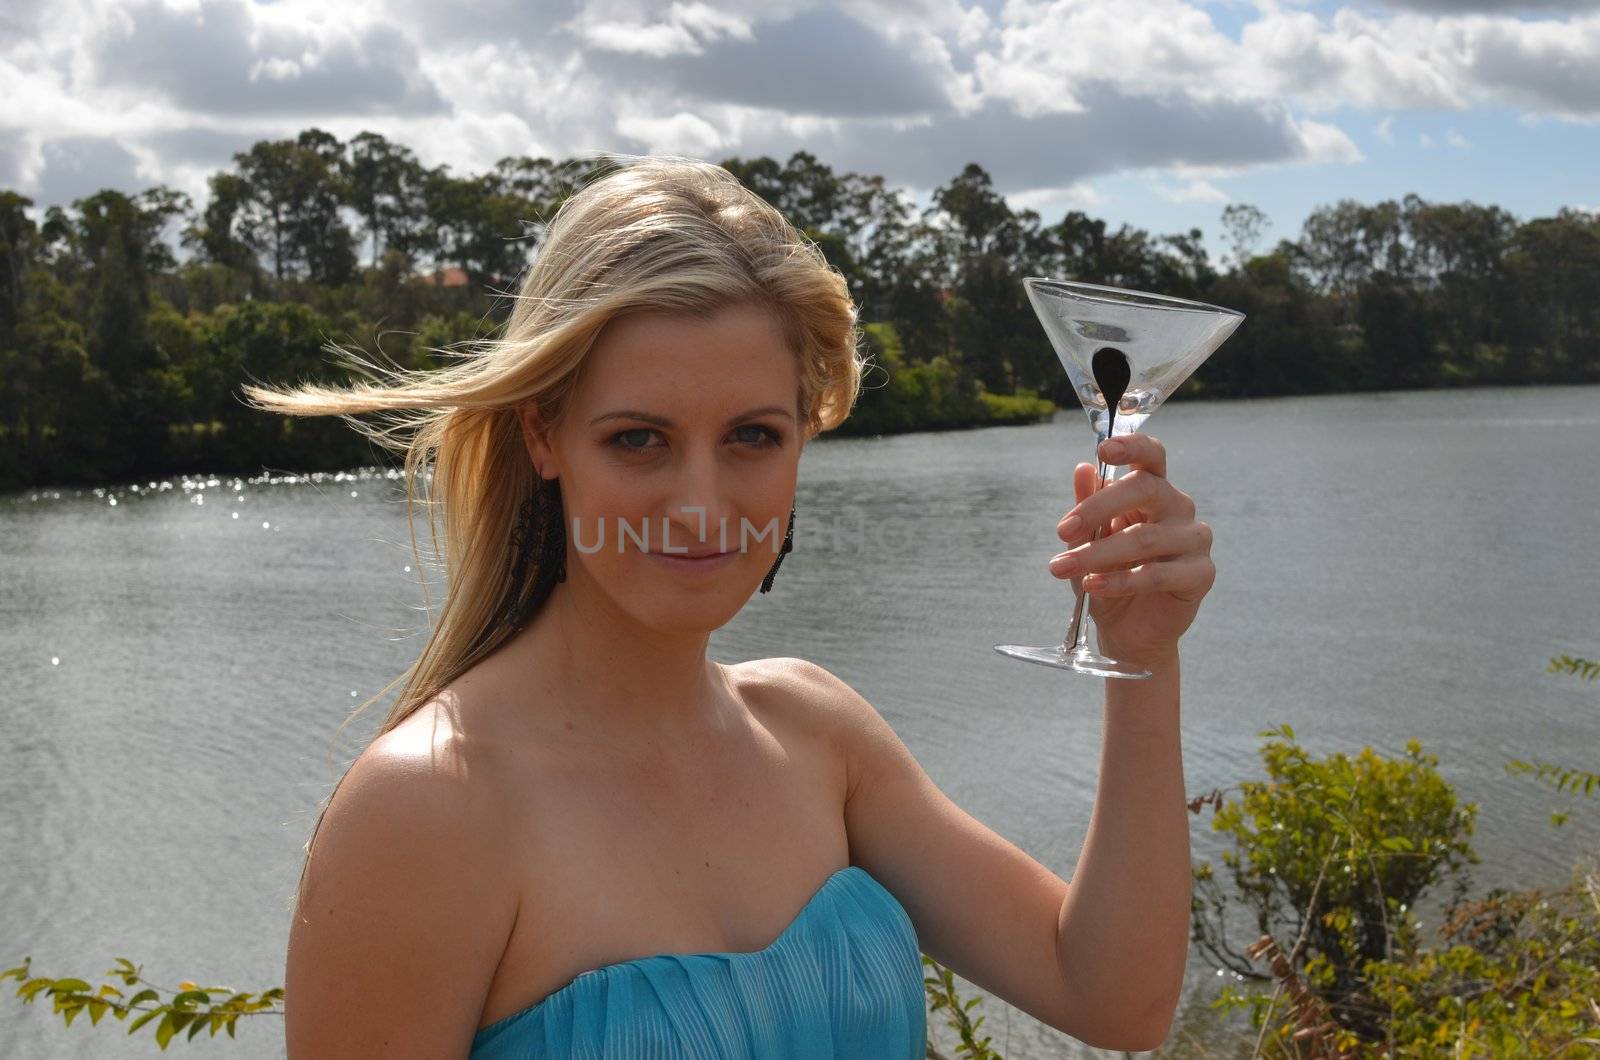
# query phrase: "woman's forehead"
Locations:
[[736, 356]]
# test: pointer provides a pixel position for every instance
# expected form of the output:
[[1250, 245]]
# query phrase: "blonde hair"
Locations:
[[662, 234]]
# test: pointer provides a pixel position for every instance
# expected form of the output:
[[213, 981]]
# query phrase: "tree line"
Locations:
[[128, 322]]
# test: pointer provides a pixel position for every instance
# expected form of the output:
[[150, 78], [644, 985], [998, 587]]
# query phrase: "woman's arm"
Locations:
[[1101, 959], [406, 909], [992, 913], [1125, 922], [1126, 919]]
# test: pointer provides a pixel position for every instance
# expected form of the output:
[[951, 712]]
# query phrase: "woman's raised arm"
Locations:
[[1102, 958]]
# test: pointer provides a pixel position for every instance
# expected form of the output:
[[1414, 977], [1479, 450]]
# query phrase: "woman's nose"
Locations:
[[701, 501]]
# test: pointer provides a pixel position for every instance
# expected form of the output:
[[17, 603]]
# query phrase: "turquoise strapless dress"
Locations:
[[844, 979]]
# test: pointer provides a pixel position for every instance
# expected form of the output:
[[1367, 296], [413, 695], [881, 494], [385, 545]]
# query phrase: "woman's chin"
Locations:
[[684, 617], [676, 601]]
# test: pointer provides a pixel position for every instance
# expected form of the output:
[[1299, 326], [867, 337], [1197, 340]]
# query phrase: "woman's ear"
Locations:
[[536, 439], [803, 420]]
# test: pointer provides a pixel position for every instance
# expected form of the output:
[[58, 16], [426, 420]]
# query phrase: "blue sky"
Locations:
[[1152, 112], [1486, 156], [1515, 158]]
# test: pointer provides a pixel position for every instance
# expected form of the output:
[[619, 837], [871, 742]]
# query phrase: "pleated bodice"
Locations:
[[844, 979]]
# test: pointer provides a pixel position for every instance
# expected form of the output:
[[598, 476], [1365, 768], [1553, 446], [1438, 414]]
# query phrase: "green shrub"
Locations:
[[1024, 407], [1332, 853], [1520, 977], [1513, 974], [899, 395]]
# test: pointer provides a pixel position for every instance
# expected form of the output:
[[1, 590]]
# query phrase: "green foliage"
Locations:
[[438, 332], [1026, 407], [1520, 976], [1562, 777], [1586, 669], [1516, 973], [899, 394], [100, 382], [191, 1006], [1334, 853], [942, 995]]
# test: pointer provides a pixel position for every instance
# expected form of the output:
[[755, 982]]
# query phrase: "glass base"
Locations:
[[1083, 661]]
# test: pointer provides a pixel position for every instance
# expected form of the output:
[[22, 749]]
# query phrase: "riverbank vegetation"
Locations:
[[128, 322], [1330, 861]]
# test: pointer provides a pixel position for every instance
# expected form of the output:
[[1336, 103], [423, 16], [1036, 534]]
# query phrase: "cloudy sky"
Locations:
[[1154, 112]]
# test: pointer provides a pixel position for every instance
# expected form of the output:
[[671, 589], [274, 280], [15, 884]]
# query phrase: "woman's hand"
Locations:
[[1151, 567]]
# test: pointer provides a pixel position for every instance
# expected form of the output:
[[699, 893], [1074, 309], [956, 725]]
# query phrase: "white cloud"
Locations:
[[1049, 95], [1192, 191], [1049, 49], [1461, 6], [974, 27], [678, 133], [708, 22], [1052, 202], [1455, 139], [1327, 143], [1352, 60], [241, 58], [686, 30]]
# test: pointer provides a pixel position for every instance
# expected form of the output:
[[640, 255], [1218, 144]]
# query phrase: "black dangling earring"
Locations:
[[539, 531], [788, 547], [555, 550]]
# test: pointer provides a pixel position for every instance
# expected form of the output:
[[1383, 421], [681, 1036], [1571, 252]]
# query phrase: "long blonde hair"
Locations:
[[652, 234]]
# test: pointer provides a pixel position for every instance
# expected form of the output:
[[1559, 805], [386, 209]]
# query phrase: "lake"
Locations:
[[1390, 566]]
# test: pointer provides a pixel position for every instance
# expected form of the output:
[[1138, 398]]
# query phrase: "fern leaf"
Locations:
[[1575, 780], [1572, 666]]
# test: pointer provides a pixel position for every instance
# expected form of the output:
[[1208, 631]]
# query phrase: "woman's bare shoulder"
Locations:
[[406, 908], [825, 702], [797, 680], [805, 691], [465, 727], [436, 768], [430, 768]]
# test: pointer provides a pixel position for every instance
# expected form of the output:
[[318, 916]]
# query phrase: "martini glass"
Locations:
[[1125, 352]]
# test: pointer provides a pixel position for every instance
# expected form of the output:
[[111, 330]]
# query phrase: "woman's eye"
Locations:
[[635, 439], [761, 436]]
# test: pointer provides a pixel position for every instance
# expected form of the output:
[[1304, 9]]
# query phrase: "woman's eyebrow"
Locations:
[[662, 421]]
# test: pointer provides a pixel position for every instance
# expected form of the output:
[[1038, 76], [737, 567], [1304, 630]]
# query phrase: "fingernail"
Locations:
[[1071, 525], [1113, 450], [1063, 564]]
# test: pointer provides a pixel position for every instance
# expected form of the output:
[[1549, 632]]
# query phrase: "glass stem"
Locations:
[[1077, 639]]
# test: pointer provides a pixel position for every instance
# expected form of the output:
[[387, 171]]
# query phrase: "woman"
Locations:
[[575, 833]]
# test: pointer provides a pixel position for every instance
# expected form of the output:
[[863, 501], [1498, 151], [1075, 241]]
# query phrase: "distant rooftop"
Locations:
[[447, 277]]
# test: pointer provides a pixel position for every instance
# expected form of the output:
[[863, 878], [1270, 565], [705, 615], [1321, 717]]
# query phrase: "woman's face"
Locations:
[[687, 426]]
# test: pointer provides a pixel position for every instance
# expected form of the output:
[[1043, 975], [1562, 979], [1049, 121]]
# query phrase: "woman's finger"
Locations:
[[1083, 482], [1150, 495], [1139, 543], [1139, 451], [1187, 578]]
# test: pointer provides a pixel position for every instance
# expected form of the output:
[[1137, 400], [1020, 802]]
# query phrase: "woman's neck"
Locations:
[[615, 679]]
